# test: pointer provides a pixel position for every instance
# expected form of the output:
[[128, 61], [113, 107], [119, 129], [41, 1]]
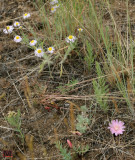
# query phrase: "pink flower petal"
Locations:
[[69, 143]]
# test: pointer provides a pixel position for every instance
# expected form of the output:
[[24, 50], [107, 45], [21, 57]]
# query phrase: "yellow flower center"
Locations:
[[32, 41], [25, 14], [116, 127], [39, 51], [79, 29], [52, 9], [50, 49], [17, 23], [70, 37], [17, 37], [8, 27]]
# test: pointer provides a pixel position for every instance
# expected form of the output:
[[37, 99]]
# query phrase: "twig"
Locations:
[[18, 92], [7, 128]]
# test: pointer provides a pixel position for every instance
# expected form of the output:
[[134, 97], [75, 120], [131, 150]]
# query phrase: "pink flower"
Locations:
[[116, 127], [69, 143]]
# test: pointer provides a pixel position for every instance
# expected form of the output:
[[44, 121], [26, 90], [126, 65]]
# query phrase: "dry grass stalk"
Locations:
[[130, 91], [21, 156], [56, 135], [2, 95], [72, 118], [116, 73], [115, 105], [3, 142], [29, 142], [66, 123], [27, 92]]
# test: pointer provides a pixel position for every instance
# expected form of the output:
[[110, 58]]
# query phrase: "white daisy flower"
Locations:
[[33, 42], [70, 38], [56, 6], [17, 39], [50, 49], [39, 52], [8, 29], [20, 27], [80, 29], [26, 15], [17, 24], [53, 2], [53, 9], [5, 31]]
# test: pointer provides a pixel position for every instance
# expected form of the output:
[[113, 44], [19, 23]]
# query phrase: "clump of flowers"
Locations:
[[54, 5], [116, 127], [53, 2], [16, 24], [26, 15], [8, 29], [50, 49], [17, 39], [70, 39], [80, 29], [33, 43], [39, 52]]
